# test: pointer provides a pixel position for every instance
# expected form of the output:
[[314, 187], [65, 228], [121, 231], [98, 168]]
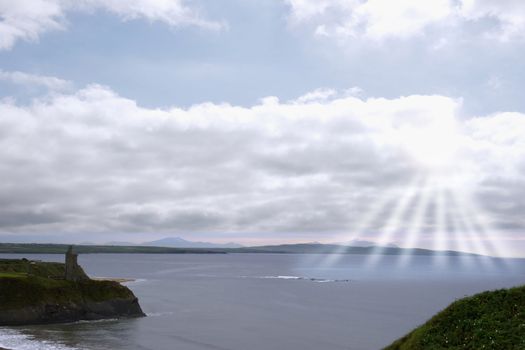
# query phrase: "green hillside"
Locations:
[[36, 292], [25, 282], [490, 320]]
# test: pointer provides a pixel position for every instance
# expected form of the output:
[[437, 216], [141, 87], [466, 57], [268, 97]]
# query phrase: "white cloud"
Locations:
[[325, 94], [303, 10], [354, 91], [93, 161], [372, 19], [383, 19], [172, 12], [510, 15], [22, 78], [28, 19], [317, 95]]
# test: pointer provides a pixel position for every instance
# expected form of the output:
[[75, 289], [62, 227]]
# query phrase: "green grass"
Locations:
[[35, 268], [17, 291], [13, 275], [28, 283], [490, 320]]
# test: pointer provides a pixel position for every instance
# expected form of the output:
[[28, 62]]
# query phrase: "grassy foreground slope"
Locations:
[[489, 320]]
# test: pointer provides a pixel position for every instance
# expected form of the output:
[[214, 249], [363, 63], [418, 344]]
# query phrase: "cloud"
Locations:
[[508, 14], [171, 12], [93, 161], [379, 20], [324, 94], [317, 95], [26, 79], [28, 19]]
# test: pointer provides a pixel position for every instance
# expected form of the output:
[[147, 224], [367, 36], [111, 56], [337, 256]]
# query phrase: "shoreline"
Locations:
[[112, 279], [36, 292]]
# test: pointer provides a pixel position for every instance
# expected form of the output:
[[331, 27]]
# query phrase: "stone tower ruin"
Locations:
[[73, 271]]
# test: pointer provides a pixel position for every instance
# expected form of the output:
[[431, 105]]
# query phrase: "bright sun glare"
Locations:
[[433, 146], [439, 198]]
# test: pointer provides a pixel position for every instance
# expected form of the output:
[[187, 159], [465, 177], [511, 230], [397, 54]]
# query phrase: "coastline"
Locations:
[[37, 292], [112, 279]]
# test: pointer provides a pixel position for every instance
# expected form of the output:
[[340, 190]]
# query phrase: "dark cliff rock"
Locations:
[[71, 312], [45, 297]]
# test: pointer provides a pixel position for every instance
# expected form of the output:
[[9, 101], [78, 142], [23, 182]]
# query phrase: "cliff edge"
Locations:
[[490, 320], [34, 292]]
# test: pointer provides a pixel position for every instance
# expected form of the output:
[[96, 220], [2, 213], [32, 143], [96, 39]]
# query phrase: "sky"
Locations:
[[264, 121]]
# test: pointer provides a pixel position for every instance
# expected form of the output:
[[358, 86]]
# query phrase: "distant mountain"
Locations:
[[317, 248], [178, 242], [119, 243], [158, 247], [362, 243], [32, 248]]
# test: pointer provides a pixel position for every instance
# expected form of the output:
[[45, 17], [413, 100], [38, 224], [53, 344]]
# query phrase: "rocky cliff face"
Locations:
[[40, 298], [71, 311]]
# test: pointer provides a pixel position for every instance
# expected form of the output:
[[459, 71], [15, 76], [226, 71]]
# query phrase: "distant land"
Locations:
[[40, 248], [182, 243], [173, 242], [362, 243], [318, 248], [304, 248], [178, 242]]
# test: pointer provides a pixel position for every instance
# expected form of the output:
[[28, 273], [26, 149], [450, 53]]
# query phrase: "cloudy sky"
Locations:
[[264, 121]]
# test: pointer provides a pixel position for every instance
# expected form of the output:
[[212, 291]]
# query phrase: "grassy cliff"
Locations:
[[17, 291], [490, 320], [36, 292], [26, 267]]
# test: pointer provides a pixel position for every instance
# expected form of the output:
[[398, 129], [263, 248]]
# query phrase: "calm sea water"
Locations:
[[269, 301]]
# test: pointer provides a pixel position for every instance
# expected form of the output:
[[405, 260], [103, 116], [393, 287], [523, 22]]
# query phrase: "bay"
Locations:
[[269, 301]]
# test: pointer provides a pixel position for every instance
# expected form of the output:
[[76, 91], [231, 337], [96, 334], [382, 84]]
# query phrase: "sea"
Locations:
[[269, 301]]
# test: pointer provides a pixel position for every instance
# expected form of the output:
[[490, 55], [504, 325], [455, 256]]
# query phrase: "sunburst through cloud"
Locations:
[[256, 174], [439, 206]]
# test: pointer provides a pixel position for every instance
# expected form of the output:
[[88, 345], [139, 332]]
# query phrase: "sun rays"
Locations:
[[427, 211], [436, 210], [395, 222], [416, 224]]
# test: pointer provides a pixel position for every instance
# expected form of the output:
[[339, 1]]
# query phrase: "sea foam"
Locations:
[[14, 339], [299, 278]]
